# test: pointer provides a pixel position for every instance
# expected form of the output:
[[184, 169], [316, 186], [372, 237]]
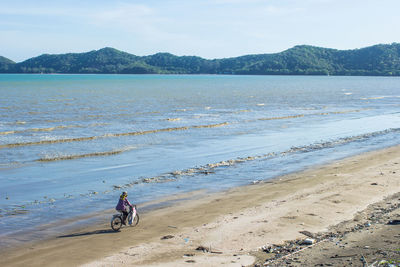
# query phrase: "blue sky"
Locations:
[[206, 28]]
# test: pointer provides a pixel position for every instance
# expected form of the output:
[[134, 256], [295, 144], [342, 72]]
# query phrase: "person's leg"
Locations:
[[125, 215]]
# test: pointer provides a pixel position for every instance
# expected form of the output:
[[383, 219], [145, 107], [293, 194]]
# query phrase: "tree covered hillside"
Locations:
[[299, 60], [6, 64]]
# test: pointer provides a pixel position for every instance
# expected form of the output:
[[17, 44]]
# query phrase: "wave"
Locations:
[[212, 167], [60, 99], [207, 169], [80, 139], [173, 119], [379, 97], [340, 141], [281, 118], [183, 128], [311, 114], [349, 111], [78, 156], [11, 165], [8, 132], [242, 111], [49, 129]]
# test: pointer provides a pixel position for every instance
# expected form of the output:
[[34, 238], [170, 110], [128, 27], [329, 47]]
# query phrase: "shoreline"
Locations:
[[235, 222]]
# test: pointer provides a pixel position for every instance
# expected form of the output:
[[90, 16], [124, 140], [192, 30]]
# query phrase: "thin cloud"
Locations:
[[239, 1], [126, 16], [124, 13], [39, 11], [282, 11]]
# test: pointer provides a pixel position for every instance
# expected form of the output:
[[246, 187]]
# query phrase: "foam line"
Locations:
[[78, 156], [80, 139]]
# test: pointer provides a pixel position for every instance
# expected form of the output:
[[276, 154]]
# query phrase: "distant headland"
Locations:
[[376, 60]]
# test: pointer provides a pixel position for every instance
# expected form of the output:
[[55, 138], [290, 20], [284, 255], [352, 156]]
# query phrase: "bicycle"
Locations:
[[117, 219]]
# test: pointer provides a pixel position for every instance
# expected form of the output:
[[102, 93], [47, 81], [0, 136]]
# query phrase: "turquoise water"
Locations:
[[69, 144]]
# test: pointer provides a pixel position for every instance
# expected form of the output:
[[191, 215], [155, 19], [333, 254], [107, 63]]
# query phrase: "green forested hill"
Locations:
[[299, 60], [6, 64]]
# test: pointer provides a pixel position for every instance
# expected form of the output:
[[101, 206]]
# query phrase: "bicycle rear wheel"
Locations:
[[116, 223]]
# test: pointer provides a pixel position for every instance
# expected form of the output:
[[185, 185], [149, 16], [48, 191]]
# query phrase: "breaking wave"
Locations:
[[281, 118], [78, 156], [379, 97], [183, 128], [49, 129], [311, 114], [173, 119], [212, 167], [80, 139], [340, 141]]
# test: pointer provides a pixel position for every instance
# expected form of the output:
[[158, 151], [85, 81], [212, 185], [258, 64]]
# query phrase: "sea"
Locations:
[[70, 144]]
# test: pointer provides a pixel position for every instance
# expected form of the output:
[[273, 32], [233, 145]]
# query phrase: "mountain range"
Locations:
[[379, 60]]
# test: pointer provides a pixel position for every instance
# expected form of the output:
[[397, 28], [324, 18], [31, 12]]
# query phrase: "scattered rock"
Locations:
[[374, 184], [375, 214], [307, 233], [167, 237], [394, 222], [202, 248], [308, 241], [289, 217], [205, 249]]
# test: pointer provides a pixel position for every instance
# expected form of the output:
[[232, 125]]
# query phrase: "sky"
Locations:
[[205, 28]]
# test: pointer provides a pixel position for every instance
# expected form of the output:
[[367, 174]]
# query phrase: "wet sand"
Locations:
[[230, 227]]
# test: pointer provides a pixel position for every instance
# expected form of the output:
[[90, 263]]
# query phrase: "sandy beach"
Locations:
[[234, 228]]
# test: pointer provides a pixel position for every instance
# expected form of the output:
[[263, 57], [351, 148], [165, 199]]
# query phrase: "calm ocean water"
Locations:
[[69, 144]]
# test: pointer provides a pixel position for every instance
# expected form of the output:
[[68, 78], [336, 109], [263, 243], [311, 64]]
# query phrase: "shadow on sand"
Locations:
[[97, 232]]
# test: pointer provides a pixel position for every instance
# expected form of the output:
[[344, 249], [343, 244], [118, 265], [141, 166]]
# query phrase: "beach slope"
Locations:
[[231, 227]]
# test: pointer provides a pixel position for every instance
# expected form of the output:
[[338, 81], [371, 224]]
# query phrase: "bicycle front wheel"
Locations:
[[135, 220]]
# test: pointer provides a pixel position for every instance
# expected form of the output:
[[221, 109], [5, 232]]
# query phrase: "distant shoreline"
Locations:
[[201, 74], [377, 60]]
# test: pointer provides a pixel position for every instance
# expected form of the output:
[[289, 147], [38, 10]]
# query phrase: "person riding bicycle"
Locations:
[[123, 206]]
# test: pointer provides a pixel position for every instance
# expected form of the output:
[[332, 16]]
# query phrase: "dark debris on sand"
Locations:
[[372, 238]]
